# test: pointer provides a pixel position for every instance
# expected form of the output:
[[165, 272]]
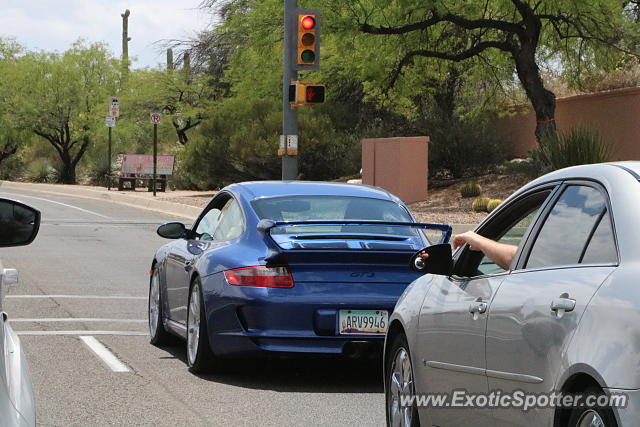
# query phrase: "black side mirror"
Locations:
[[439, 261], [172, 230], [19, 223]]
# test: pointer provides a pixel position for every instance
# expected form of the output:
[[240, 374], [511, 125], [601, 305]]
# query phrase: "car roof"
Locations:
[[257, 189], [592, 171]]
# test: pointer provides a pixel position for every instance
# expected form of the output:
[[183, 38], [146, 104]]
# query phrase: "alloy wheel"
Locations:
[[400, 384], [193, 327], [154, 304], [591, 419]]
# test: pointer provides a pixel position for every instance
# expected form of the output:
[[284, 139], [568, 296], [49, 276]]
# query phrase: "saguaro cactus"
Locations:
[[169, 60], [125, 39]]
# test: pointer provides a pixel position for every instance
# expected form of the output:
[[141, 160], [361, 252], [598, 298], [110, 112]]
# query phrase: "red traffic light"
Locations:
[[314, 94], [308, 22]]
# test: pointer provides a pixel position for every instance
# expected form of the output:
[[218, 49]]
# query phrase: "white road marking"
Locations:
[[104, 354], [75, 319], [75, 296], [57, 203], [121, 333]]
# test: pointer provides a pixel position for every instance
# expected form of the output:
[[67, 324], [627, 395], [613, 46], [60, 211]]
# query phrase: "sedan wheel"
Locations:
[[592, 417], [200, 358], [400, 382], [157, 332]]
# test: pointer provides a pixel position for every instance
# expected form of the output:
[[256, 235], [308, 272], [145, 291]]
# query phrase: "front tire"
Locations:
[[158, 334], [592, 417], [200, 358], [399, 381]]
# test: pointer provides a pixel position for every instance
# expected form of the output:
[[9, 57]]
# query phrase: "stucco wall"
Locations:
[[615, 114], [399, 165]]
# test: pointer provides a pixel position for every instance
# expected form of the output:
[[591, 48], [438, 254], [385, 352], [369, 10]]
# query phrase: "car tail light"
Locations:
[[260, 276]]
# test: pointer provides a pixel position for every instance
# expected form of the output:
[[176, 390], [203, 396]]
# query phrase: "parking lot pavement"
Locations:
[[80, 309]]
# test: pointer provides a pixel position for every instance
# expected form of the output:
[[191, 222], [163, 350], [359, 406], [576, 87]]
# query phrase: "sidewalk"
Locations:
[[186, 204]]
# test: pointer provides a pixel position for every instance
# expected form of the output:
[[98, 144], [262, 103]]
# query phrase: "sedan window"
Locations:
[[568, 227], [602, 246], [231, 223]]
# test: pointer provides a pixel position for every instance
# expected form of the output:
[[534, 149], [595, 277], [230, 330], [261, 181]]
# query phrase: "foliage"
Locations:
[[493, 203], [579, 146], [470, 189], [41, 171], [463, 148], [480, 204]]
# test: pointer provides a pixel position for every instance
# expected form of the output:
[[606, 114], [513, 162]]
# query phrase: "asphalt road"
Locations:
[[86, 275]]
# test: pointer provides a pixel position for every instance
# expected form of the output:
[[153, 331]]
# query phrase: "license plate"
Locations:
[[359, 322]]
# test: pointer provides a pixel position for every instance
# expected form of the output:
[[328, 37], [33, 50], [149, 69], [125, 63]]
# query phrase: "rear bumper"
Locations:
[[303, 319]]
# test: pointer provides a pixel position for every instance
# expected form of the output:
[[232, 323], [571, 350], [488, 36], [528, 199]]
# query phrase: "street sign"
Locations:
[[288, 145], [110, 121], [155, 118], [114, 106]]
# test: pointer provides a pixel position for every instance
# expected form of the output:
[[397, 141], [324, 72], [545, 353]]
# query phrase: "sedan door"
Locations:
[[538, 307], [452, 325]]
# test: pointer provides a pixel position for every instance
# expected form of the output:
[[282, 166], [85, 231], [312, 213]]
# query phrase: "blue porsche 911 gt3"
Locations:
[[306, 267]]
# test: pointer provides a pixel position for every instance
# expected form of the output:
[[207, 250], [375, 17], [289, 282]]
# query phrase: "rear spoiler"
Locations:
[[266, 225]]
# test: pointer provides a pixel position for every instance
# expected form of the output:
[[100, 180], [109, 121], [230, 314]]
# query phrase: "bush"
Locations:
[[580, 146], [480, 204], [463, 148], [42, 171], [493, 203], [470, 189]]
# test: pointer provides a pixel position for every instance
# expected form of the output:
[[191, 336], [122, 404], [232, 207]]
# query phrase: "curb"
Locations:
[[170, 208]]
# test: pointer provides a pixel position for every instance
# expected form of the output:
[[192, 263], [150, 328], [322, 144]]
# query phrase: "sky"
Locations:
[[54, 25]]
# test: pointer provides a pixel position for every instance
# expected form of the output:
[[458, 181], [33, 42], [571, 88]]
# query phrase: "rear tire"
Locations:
[[399, 380], [200, 358], [592, 416], [158, 334]]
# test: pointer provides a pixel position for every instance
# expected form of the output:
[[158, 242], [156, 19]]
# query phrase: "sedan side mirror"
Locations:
[[439, 261], [19, 223], [172, 230]]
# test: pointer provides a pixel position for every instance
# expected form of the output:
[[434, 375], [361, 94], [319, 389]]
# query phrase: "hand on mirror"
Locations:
[[469, 238]]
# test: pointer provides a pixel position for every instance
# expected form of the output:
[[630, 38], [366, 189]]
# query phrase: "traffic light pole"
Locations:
[[289, 115]]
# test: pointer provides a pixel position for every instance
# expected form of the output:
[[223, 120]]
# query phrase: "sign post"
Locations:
[[110, 123], [155, 119]]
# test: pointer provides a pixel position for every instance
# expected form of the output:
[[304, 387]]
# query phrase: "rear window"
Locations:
[[324, 208]]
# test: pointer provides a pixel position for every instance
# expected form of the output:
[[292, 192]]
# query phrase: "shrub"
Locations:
[[470, 189], [480, 204], [42, 171], [463, 148], [580, 146], [493, 203]]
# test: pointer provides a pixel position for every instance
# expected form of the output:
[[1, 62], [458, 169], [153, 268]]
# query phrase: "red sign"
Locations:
[[142, 164]]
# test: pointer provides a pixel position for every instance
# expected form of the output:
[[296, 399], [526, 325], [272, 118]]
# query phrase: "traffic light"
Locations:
[[308, 43], [303, 94]]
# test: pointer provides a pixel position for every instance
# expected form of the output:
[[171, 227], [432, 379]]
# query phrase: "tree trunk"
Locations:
[[542, 99], [68, 172]]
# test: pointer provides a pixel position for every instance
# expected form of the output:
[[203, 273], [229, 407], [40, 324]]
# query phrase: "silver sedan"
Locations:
[[471, 344]]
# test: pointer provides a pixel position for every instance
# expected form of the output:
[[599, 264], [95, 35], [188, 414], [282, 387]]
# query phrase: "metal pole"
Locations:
[[289, 115], [109, 162], [155, 156]]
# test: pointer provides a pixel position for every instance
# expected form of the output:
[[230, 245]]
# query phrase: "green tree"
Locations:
[[62, 99], [524, 32]]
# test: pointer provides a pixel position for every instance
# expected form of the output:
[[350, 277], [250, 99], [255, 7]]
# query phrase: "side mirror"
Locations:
[[172, 230], [440, 260], [19, 223], [265, 224]]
